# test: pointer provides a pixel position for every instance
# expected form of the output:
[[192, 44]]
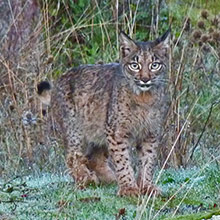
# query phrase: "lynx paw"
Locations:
[[128, 191], [150, 190], [86, 179], [77, 164]]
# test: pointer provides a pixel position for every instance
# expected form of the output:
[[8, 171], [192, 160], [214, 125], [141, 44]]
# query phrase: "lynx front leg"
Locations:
[[147, 156], [118, 150]]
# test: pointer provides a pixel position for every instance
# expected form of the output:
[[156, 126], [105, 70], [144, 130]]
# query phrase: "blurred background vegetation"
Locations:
[[41, 39]]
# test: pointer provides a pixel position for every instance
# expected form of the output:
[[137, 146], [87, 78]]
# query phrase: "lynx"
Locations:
[[104, 110]]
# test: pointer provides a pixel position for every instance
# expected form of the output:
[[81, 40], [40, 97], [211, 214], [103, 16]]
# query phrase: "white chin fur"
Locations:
[[144, 89], [138, 90], [144, 86]]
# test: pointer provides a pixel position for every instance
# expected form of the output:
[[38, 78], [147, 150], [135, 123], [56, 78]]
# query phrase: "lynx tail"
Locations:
[[43, 91]]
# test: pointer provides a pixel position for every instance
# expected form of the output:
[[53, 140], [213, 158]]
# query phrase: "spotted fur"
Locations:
[[117, 105]]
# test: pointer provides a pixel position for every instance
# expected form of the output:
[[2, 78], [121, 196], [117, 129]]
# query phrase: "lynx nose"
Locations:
[[145, 80]]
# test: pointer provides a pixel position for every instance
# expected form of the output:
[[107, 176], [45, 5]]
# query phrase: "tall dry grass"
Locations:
[[42, 39]]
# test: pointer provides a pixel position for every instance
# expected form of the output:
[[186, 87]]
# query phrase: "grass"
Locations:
[[191, 193]]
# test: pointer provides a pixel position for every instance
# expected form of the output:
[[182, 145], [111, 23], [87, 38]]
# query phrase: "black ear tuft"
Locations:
[[42, 86], [166, 35], [163, 42]]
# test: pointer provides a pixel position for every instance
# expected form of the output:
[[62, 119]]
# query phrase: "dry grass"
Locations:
[[55, 38]]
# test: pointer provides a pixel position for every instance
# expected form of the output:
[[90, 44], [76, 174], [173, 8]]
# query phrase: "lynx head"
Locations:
[[144, 63]]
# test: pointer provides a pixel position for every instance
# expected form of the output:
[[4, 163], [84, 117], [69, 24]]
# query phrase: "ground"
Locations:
[[191, 193]]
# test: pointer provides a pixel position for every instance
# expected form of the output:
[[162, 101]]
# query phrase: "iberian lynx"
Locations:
[[116, 105]]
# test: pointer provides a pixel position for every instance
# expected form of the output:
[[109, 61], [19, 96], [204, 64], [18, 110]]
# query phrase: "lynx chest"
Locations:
[[145, 117]]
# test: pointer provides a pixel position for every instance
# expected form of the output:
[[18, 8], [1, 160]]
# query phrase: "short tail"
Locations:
[[44, 92]]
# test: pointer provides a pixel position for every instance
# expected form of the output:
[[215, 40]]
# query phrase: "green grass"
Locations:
[[187, 194]]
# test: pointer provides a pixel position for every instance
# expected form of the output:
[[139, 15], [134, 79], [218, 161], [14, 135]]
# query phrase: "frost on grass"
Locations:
[[24, 197], [191, 190], [50, 196]]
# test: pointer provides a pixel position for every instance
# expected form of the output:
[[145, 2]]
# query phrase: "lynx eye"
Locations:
[[155, 66], [134, 66]]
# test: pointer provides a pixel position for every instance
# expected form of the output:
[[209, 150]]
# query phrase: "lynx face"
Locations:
[[144, 63]]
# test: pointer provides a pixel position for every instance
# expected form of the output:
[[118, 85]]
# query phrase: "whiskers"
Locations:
[[161, 81]]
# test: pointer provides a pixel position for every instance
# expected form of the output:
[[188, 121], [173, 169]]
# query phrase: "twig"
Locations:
[[203, 130]]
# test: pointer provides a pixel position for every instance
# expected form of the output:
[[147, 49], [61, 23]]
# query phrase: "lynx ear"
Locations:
[[162, 44], [126, 44]]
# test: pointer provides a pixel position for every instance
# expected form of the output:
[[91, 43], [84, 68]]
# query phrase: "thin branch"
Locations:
[[203, 130]]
